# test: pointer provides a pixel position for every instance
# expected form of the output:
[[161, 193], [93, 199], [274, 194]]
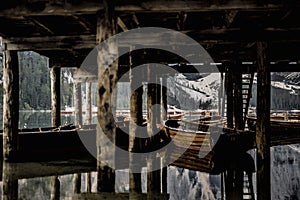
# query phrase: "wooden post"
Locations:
[[107, 80], [229, 94], [164, 98], [263, 124], [238, 99], [10, 105], [153, 176], [55, 95], [88, 121], [78, 103], [88, 106], [55, 106], [9, 182], [136, 119], [55, 188]]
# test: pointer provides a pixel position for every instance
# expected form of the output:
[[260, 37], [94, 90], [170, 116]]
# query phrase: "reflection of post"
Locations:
[[10, 104], [88, 121], [55, 95], [263, 124], [55, 188], [107, 79], [9, 182], [77, 183], [136, 119]]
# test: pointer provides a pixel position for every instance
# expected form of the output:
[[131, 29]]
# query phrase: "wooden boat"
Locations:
[[181, 136], [279, 124]]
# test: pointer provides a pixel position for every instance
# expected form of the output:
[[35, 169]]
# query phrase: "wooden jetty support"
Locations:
[[242, 37]]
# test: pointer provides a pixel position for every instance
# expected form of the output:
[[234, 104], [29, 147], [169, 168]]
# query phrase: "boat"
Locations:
[[279, 123]]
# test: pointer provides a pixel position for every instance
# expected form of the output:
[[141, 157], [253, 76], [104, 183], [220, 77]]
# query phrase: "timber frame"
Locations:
[[244, 36]]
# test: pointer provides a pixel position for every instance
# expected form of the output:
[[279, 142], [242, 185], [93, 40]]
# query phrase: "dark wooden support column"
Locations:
[[136, 119], [229, 94], [164, 115], [78, 103], [107, 80], [55, 95], [153, 176], [164, 97], [9, 182], [10, 105], [238, 99], [55, 111], [263, 124], [55, 188]]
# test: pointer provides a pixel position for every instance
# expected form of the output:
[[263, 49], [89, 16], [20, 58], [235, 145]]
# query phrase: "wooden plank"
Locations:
[[263, 124], [89, 7], [55, 96], [10, 104]]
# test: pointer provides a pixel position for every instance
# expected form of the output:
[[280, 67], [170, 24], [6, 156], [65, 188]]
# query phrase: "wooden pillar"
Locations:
[[55, 188], [229, 94], [78, 103], [55, 95], [107, 80], [238, 99], [136, 119], [9, 182], [55, 111], [153, 176], [10, 104], [263, 124], [88, 106], [164, 97], [88, 121]]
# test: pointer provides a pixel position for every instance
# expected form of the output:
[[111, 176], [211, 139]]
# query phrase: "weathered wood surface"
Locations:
[[55, 95], [10, 104], [76, 183], [107, 80], [263, 124], [9, 182], [136, 120]]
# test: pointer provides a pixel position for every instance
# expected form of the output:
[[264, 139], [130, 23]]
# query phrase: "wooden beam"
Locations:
[[55, 95], [263, 124], [85, 7], [10, 104], [107, 80]]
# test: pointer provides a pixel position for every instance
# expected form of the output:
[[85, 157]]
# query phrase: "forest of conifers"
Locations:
[[35, 82]]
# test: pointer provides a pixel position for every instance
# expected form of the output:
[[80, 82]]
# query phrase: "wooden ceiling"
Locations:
[[65, 30]]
